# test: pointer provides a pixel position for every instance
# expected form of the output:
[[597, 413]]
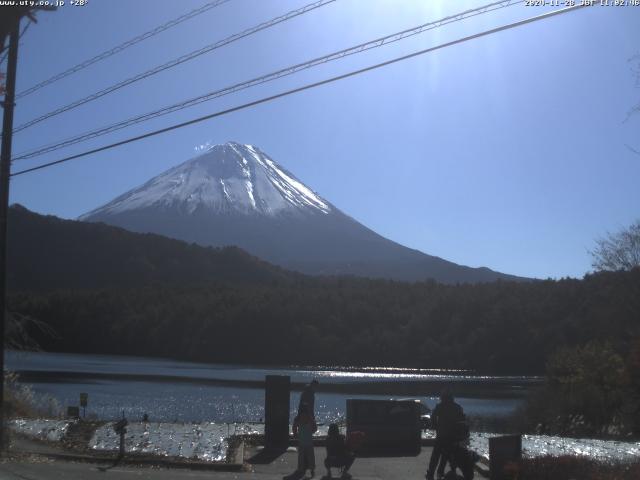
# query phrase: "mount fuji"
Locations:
[[235, 194]]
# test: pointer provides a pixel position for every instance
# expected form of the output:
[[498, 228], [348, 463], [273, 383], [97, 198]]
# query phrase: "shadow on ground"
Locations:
[[266, 456]]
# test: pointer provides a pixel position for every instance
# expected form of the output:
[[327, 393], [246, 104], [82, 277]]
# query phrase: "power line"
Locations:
[[378, 42], [176, 61], [117, 49], [303, 88]]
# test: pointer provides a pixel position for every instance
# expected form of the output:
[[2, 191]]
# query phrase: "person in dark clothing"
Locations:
[[338, 455], [304, 426], [308, 398], [448, 420], [464, 459]]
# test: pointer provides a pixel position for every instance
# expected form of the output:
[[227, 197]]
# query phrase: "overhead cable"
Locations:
[[302, 88], [123, 46], [175, 62], [378, 42]]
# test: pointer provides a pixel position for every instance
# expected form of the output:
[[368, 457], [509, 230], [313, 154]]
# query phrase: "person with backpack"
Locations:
[[448, 420]]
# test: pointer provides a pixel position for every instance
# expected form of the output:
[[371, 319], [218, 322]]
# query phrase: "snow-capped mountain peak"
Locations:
[[235, 194], [226, 178]]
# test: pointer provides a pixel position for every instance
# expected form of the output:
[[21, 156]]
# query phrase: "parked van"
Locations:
[[425, 413], [388, 425]]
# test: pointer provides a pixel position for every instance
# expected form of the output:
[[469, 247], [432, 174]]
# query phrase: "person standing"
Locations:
[[304, 426], [308, 397], [446, 419]]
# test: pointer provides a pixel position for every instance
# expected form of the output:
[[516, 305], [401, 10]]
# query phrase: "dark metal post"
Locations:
[[120, 428], [121, 450], [5, 171], [503, 451], [276, 411]]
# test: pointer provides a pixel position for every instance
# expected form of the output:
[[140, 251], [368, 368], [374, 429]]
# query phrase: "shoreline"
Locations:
[[476, 388], [208, 442]]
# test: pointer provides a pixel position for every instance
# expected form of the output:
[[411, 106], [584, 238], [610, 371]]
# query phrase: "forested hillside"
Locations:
[[46, 252], [105, 290], [501, 327]]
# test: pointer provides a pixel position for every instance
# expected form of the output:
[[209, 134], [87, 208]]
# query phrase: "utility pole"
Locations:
[[9, 27], [5, 171]]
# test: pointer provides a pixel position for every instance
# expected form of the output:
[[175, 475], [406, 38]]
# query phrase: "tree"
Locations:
[[618, 251]]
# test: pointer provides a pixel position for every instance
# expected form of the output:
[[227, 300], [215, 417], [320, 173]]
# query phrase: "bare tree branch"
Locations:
[[618, 251], [17, 336], [635, 69], [633, 150]]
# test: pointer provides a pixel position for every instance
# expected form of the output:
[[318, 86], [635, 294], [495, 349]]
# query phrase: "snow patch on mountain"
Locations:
[[226, 178]]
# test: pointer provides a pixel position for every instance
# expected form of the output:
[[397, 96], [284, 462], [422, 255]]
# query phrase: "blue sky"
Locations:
[[510, 151]]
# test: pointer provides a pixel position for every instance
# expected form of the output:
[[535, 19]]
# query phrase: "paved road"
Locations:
[[37, 468]]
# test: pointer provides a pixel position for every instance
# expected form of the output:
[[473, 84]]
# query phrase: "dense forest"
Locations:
[[105, 290], [498, 327]]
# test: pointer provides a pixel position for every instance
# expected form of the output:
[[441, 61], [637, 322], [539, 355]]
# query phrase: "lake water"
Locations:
[[175, 391]]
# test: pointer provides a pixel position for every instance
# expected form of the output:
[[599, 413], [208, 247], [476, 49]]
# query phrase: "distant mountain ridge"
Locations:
[[235, 194], [49, 253]]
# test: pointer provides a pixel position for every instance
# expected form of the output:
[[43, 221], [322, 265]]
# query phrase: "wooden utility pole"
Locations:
[[9, 27], [5, 171]]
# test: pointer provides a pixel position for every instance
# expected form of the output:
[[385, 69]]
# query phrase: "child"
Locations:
[[304, 426], [338, 455]]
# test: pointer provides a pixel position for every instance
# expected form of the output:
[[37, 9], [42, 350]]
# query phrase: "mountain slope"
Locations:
[[46, 252], [235, 194]]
